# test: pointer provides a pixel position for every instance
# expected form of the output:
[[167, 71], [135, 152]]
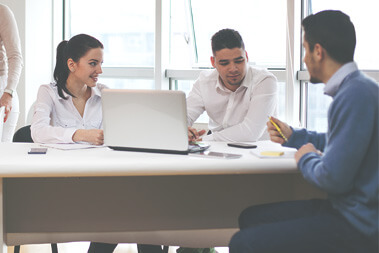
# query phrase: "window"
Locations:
[[263, 29], [367, 40], [130, 35], [127, 30], [193, 22]]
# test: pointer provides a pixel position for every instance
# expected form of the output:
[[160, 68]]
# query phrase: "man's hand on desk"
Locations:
[[194, 135], [307, 148]]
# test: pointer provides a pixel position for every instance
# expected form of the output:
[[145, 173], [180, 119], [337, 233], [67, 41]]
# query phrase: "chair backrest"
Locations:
[[23, 135], [2, 114], [29, 117]]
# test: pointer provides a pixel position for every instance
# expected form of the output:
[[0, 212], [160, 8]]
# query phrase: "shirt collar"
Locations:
[[335, 81], [94, 92], [245, 82]]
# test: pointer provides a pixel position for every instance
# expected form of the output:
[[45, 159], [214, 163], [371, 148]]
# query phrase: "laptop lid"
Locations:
[[145, 120]]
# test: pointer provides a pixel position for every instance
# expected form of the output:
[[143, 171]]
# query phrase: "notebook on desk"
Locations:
[[146, 120]]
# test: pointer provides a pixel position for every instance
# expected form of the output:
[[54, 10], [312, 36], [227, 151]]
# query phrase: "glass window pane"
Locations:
[[182, 51], [126, 28], [363, 15], [262, 27], [367, 40]]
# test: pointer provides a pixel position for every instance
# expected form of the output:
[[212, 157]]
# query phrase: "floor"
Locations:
[[82, 247]]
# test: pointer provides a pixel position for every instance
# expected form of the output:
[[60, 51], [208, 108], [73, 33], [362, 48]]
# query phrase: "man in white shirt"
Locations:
[[237, 97]]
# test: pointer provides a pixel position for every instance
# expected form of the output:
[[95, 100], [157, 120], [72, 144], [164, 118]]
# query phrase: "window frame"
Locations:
[[302, 74], [294, 75]]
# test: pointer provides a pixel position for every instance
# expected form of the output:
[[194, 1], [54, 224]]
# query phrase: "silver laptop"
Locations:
[[146, 120]]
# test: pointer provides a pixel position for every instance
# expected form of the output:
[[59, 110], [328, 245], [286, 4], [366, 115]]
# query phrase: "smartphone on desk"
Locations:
[[212, 154], [241, 145], [40, 151]]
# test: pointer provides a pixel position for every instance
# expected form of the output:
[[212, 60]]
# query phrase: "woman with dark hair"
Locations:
[[69, 110]]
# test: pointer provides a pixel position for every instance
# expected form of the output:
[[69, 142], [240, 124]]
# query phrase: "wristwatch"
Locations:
[[9, 91]]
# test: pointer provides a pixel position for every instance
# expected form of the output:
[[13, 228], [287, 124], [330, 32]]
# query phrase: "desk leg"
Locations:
[[3, 246]]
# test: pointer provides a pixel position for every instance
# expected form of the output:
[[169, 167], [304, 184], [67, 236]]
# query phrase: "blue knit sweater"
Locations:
[[348, 169]]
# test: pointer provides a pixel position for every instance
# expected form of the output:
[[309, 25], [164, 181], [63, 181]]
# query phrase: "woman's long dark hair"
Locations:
[[75, 48]]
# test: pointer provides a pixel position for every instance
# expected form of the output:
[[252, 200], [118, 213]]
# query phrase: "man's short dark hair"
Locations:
[[334, 31], [226, 38]]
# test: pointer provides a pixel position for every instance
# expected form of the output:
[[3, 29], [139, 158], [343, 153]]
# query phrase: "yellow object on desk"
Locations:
[[272, 153]]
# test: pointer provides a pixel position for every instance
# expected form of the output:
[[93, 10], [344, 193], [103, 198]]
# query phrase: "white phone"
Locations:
[[212, 154]]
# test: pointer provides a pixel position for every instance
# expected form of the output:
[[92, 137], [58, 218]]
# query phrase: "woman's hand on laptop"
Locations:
[[92, 136], [194, 135]]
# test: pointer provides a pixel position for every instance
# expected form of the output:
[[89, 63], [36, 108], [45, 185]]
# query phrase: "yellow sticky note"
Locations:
[[272, 153]]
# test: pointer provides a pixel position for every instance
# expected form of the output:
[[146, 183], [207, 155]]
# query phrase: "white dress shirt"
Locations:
[[234, 116], [55, 119]]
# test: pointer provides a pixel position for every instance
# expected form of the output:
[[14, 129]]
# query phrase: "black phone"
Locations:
[[241, 145], [37, 151]]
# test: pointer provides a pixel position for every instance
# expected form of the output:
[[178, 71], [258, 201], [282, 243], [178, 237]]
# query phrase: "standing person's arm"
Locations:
[[11, 40]]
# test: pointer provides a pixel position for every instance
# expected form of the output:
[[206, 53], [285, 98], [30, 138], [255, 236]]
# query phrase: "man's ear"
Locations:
[[318, 52], [71, 65], [213, 60], [247, 57]]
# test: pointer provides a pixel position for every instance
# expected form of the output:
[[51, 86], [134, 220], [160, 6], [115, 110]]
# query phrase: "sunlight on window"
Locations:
[[363, 20], [125, 28], [262, 28], [367, 40]]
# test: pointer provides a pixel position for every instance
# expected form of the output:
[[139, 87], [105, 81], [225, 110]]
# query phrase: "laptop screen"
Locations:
[[145, 120]]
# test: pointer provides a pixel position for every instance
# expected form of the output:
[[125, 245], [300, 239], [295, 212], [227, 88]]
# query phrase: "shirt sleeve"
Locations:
[[41, 129], [11, 40], [300, 137], [348, 142], [262, 104], [195, 104]]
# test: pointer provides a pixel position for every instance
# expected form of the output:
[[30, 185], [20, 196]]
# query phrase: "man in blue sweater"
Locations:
[[343, 162]]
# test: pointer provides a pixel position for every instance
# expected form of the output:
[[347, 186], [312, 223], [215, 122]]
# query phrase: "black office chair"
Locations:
[[24, 135]]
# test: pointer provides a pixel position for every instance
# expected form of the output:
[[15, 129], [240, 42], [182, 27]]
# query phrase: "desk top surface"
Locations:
[[15, 162]]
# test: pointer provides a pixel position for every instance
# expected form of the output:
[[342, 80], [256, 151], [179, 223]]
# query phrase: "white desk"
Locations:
[[114, 196]]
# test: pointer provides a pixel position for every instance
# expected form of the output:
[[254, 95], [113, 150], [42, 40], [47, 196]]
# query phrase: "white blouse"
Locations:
[[55, 119]]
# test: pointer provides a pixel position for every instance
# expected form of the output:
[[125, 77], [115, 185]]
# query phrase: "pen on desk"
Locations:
[[277, 128]]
